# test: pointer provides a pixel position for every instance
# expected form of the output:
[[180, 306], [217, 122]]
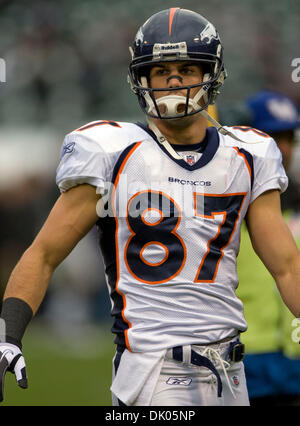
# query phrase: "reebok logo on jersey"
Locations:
[[179, 381], [189, 182], [68, 148]]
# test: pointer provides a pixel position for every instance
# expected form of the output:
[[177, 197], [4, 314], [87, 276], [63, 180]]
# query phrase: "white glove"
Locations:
[[11, 359]]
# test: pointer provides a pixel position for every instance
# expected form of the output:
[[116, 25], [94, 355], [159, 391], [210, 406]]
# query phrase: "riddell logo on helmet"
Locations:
[[159, 48], [170, 47]]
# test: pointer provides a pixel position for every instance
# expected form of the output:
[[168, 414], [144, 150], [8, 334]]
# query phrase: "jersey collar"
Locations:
[[210, 148]]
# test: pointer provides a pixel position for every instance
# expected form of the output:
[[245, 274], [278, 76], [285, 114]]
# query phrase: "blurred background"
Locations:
[[66, 64]]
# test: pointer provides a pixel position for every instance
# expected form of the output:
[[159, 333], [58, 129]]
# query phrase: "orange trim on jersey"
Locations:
[[152, 223], [97, 123], [245, 159], [116, 239], [252, 129], [172, 232], [212, 216], [157, 263], [171, 18]]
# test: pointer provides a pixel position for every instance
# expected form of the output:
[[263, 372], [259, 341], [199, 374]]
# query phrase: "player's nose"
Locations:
[[174, 80]]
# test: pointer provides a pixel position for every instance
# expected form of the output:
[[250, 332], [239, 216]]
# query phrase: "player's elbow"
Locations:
[[41, 256]]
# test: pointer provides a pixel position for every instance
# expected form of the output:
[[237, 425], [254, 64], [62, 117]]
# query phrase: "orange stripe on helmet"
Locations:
[[171, 17]]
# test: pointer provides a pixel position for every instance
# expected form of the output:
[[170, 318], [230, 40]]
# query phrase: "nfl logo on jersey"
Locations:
[[190, 159]]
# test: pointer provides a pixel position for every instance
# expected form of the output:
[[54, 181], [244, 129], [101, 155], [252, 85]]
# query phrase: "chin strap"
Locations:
[[208, 117], [221, 129], [163, 141], [193, 103]]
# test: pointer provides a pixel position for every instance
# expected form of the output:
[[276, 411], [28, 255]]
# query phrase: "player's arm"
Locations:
[[71, 218], [275, 245]]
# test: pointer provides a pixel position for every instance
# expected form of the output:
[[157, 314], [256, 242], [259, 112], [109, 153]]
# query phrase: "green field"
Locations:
[[67, 368]]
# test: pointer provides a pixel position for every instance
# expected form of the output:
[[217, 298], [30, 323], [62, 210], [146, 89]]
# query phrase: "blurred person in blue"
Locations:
[[272, 362]]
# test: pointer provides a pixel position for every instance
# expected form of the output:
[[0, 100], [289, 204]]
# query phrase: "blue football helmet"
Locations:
[[176, 35]]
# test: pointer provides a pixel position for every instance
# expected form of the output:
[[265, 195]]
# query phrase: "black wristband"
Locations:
[[17, 314]]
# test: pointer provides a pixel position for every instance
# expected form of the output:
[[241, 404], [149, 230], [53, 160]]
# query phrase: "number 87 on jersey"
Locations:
[[161, 237]]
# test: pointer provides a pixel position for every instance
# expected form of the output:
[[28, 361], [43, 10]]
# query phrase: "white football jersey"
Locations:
[[170, 232]]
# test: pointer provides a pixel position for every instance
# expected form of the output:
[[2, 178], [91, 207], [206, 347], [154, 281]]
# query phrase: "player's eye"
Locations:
[[187, 70], [160, 71]]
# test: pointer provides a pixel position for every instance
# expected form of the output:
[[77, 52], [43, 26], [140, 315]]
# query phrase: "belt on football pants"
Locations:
[[236, 351], [200, 361]]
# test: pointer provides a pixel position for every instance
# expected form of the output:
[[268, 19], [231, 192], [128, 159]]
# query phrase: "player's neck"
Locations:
[[185, 131]]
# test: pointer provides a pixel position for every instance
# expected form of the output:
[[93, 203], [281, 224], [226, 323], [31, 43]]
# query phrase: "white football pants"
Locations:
[[184, 385]]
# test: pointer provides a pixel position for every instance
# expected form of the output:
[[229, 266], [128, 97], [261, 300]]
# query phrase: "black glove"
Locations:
[[11, 359]]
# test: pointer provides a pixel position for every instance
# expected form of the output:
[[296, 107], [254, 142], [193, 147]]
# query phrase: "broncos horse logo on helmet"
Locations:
[[176, 35]]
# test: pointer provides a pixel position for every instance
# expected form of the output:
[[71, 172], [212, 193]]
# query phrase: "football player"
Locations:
[[168, 198]]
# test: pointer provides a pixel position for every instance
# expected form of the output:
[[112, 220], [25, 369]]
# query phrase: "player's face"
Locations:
[[175, 74]]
